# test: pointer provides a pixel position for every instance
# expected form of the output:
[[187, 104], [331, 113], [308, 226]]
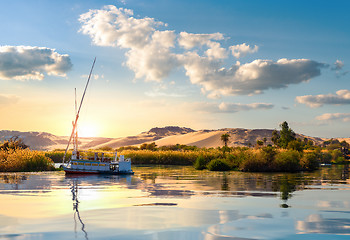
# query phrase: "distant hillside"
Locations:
[[151, 136], [47, 141], [238, 137], [164, 136], [36, 140]]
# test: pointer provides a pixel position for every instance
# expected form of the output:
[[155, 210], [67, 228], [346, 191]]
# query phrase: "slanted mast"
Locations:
[[98, 162]]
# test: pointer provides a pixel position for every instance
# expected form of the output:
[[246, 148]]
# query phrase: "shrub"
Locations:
[[13, 143], [233, 160], [200, 163], [286, 161], [218, 165], [325, 157], [340, 159], [309, 161], [336, 153], [268, 153], [295, 145], [256, 162]]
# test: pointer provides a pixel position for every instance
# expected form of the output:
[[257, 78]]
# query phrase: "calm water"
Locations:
[[176, 203]]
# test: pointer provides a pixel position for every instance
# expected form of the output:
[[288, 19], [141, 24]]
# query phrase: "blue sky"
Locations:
[[199, 64]]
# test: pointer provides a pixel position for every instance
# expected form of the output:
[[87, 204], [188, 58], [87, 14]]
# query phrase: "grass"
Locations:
[[24, 160]]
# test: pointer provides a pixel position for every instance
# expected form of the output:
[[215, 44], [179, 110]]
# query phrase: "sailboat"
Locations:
[[86, 162]]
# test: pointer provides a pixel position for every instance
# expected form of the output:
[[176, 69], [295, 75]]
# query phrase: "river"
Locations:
[[176, 203]]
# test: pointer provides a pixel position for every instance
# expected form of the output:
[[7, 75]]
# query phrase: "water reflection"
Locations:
[[175, 203], [74, 190], [321, 223]]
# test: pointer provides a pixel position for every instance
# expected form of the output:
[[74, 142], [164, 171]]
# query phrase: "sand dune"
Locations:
[[201, 138], [161, 136]]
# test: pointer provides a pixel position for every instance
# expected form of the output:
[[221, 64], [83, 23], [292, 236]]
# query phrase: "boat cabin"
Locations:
[[98, 162]]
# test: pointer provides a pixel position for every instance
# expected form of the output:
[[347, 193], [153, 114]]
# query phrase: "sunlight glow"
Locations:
[[87, 130]]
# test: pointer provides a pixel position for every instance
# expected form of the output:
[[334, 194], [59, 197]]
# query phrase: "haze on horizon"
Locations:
[[197, 64]]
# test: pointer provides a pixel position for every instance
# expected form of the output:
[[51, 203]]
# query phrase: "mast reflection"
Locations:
[[74, 190]]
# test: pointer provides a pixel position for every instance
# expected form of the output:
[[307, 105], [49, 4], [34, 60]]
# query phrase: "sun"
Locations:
[[87, 130]]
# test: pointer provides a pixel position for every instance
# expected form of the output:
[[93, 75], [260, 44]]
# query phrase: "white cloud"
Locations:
[[242, 49], [113, 26], [225, 107], [250, 78], [334, 116], [154, 61], [151, 54], [26, 62], [338, 65], [191, 40], [341, 97]]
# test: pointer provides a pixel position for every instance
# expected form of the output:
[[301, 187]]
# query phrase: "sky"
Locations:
[[200, 64]]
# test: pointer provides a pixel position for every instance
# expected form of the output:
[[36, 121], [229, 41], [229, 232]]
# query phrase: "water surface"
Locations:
[[176, 203]]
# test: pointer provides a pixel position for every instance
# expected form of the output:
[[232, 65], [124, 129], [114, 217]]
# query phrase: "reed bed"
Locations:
[[266, 159], [169, 157], [24, 160]]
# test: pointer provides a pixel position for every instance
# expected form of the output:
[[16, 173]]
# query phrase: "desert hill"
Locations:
[[238, 137], [48, 141], [164, 136]]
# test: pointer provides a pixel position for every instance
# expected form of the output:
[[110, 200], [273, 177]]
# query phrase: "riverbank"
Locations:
[[264, 159]]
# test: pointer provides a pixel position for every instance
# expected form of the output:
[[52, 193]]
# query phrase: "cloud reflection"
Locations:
[[317, 223]]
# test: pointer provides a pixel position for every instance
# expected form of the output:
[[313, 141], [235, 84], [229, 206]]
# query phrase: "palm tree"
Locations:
[[225, 137]]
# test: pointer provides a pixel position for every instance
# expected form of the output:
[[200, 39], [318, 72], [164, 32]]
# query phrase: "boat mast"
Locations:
[[77, 114], [75, 140]]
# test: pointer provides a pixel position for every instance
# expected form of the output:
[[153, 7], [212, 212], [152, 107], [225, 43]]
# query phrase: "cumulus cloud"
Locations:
[[153, 53], [191, 40], [149, 53], [250, 78], [340, 98], [154, 61], [113, 26], [226, 107], [334, 116], [26, 62], [242, 49]]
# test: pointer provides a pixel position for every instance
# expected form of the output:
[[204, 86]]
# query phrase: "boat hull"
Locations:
[[81, 171]]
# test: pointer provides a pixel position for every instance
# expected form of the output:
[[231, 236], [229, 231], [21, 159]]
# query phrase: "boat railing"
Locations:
[[98, 156]]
